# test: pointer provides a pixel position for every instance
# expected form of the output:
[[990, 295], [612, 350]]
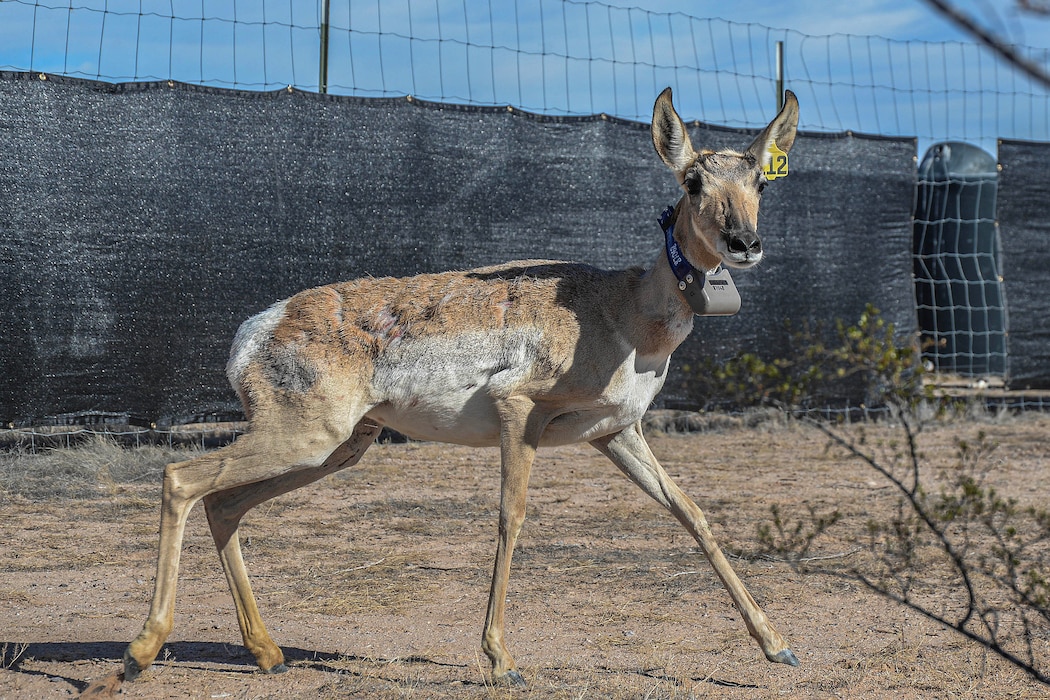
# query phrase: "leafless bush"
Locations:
[[954, 538], [955, 550]]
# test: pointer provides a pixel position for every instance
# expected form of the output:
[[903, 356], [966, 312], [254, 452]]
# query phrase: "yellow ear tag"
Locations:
[[778, 163]]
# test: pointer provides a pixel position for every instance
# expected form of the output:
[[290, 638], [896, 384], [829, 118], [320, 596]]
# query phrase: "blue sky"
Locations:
[[851, 63], [895, 19]]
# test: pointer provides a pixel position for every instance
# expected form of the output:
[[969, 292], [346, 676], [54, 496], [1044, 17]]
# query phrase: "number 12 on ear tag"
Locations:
[[778, 163]]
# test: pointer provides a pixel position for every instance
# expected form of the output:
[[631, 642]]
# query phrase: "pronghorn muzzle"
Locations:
[[743, 247]]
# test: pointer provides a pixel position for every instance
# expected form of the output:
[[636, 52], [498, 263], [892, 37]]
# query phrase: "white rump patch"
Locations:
[[253, 334]]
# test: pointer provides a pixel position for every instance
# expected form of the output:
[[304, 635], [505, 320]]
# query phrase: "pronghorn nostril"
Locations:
[[744, 244], [738, 245]]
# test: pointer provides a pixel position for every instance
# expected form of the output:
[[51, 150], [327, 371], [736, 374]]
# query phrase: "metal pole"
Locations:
[[780, 75], [322, 81]]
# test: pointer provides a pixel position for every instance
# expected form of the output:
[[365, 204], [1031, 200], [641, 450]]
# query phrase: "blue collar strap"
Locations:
[[690, 280]]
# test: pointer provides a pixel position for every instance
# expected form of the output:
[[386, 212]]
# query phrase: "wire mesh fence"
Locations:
[[37, 439], [33, 440], [569, 57], [565, 57]]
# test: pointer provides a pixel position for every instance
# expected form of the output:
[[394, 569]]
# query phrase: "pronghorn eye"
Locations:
[[693, 185], [761, 186]]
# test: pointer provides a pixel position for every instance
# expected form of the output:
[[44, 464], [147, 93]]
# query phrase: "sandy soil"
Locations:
[[374, 581]]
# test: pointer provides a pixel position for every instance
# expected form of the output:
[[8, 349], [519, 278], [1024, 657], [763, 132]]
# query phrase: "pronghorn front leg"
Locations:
[[629, 451], [521, 428]]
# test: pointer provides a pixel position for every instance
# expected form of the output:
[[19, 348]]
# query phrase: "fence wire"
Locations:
[[558, 57], [577, 57], [33, 440]]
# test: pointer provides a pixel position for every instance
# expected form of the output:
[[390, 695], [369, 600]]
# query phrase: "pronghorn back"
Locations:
[[433, 353]]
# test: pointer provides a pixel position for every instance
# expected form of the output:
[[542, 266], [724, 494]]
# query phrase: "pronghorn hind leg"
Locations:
[[225, 510], [257, 640], [145, 647], [629, 451], [252, 458]]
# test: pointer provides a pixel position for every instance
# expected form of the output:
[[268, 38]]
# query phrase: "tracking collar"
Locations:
[[707, 296]]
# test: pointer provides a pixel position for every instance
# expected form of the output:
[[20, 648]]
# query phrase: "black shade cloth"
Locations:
[[141, 223], [1024, 232]]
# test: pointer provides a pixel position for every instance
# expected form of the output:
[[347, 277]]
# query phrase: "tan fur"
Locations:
[[519, 355]]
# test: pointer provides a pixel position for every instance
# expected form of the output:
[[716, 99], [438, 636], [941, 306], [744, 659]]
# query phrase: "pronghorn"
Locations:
[[520, 355]]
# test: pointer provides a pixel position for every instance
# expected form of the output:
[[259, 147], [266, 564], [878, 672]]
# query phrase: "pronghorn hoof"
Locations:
[[279, 668], [783, 657], [511, 678], [131, 667]]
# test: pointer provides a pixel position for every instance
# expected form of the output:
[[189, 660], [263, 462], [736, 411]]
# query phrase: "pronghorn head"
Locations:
[[716, 221]]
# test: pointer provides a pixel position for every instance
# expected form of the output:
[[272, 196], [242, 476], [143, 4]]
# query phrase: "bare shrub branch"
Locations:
[[994, 42], [949, 525]]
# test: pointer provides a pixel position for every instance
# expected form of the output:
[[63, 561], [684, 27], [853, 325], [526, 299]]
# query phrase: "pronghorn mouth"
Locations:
[[741, 261]]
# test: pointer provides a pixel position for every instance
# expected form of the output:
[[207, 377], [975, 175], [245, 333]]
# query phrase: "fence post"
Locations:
[[780, 76], [322, 81]]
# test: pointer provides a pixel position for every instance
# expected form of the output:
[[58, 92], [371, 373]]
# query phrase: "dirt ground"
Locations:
[[374, 581]]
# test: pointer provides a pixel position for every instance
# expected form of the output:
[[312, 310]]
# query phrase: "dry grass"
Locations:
[[98, 467], [391, 582], [11, 653]]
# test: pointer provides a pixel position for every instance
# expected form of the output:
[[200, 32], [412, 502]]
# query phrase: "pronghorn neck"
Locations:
[[689, 239], [662, 302], [720, 298], [689, 278]]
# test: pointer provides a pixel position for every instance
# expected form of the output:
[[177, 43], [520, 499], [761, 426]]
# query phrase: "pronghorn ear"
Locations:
[[780, 131], [669, 135]]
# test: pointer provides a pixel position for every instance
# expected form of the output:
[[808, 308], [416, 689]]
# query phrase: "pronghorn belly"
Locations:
[[455, 400], [461, 420], [443, 388]]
